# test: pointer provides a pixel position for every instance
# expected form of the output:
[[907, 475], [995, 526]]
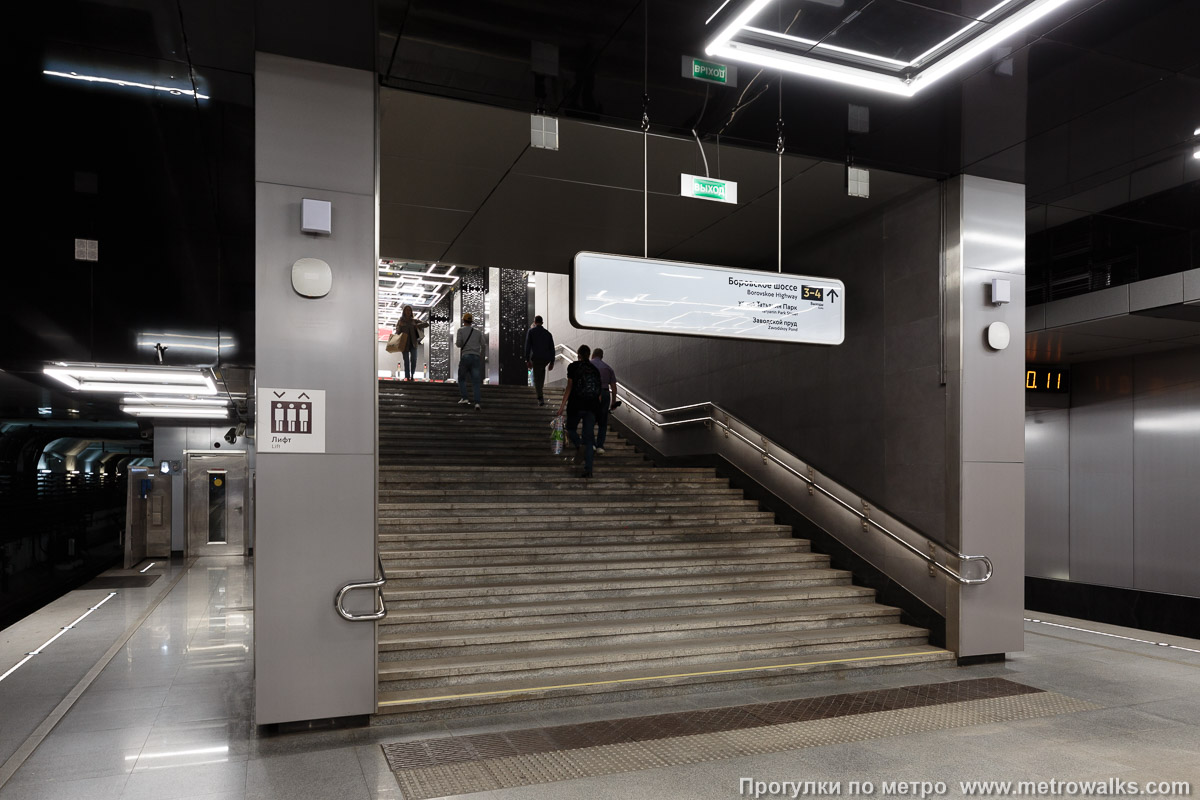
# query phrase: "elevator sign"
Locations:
[[291, 421], [646, 295]]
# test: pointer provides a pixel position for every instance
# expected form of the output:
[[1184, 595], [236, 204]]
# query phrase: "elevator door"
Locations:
[[216, 502]]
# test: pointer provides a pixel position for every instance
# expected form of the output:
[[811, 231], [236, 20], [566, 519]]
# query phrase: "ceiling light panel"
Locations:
[[134, 380], [884, 46]]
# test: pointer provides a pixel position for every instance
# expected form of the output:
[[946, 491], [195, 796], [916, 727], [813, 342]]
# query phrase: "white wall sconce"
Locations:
[[998, 336], [312, 277], [1001, 291], [316, 216]]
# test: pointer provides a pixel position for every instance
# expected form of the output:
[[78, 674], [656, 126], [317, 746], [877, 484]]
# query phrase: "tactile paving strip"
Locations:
[[437, 768]]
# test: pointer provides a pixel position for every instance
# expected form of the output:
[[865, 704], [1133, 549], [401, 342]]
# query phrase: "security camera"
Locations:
[[231, 435]]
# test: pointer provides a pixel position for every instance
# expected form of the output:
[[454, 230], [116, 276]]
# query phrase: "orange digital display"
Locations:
[[1047, 379]]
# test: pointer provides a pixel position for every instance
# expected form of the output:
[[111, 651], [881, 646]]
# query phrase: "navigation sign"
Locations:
[[645, 295], [709, 71], [291, 420], [702, 188]]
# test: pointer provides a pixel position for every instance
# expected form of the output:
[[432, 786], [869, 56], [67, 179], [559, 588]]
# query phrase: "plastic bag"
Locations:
[[557, 425]]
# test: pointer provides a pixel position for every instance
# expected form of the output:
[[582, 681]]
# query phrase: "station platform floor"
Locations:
[[141, 687]]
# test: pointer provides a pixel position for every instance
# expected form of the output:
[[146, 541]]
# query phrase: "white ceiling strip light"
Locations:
[[138, 380], [142, 400], [176, 411], [723, 46]]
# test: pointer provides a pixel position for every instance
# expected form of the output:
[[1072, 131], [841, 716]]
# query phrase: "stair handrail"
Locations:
[[377, 585], [712, 419]]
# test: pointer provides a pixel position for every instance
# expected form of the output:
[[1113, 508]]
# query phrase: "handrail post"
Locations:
[[377, 585]]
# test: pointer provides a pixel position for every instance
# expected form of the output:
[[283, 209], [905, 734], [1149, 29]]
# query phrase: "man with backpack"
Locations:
[[581, 399]]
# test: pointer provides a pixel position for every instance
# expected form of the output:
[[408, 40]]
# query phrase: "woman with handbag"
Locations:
[[408, 328]]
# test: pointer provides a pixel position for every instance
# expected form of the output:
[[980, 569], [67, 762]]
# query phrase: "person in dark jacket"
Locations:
[[539, 355], [579, 400]]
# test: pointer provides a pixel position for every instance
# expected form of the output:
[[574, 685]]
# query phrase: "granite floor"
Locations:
[[170, 714]]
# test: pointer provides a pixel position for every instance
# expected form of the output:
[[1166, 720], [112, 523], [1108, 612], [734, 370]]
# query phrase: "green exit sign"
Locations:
[[702, 188], [709, 71]]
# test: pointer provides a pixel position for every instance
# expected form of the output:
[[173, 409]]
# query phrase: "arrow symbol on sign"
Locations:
[[833, 293], [279, 394], [304, 396]]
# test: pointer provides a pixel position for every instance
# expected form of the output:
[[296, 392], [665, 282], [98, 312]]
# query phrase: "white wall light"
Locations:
[[316, 216], [1001, 291], [998, 336], [312, 277]]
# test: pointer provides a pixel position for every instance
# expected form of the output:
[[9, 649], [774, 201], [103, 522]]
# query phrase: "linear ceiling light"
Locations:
[[724, 45], [139, 380], [176, 411], [142, 400], [126, 84]]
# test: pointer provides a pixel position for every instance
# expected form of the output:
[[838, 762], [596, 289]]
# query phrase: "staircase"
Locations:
[[514, 583]]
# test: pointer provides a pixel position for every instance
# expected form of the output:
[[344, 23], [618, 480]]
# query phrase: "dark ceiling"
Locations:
[[1095, 110]]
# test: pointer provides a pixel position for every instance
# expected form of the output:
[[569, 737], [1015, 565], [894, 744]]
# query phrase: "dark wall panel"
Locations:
[[870, 412]]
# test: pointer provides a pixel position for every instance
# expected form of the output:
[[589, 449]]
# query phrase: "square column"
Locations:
[[985, 459], [315, 138]]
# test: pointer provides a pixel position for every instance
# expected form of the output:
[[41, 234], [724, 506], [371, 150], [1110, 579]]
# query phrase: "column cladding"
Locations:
[[439, 336], [315, 512], [514, 322]]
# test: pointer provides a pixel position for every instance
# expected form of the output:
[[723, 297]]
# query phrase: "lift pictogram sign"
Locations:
[[294, 420]]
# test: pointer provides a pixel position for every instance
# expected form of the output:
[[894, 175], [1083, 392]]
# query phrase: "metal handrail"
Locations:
[[377, 584], [767, 454]]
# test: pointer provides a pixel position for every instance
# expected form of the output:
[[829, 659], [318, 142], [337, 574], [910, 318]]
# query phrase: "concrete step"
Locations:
[[582, 505], [501, 610], [527, 472], [580, 552], [715, 533], [720, 564], [663, 519], [679, 655], [450, 389], [608, 489], [540, 457], [535, 637], [567, 587], [486, 697], [513, 581]]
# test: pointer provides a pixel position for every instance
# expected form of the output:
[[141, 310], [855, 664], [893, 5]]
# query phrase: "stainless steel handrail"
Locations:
[[377, 584], [623, 391]]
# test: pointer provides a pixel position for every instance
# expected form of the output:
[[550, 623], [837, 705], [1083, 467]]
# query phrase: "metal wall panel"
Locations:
[[1102, 473], [990, 236], [990, 617], [1095, 305], [314, 136], [322, 343], [1166, 473], [1048, 493], [313, 515], [316, 512]]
